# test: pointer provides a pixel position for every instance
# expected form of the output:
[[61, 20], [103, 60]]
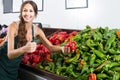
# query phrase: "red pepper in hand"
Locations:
[[92, 76], [72, 45]]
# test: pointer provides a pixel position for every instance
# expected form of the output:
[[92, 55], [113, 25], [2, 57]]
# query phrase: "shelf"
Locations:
[[27, 70]]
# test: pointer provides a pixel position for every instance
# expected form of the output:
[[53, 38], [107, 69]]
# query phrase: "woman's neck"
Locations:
[[28, 26]]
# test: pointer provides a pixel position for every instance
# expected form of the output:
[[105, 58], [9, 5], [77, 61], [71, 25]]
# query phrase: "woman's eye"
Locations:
[[31, 10], [27, 10], [24, 10]]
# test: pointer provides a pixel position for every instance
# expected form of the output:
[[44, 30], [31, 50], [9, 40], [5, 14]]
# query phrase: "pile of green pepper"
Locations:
[[97, 52]]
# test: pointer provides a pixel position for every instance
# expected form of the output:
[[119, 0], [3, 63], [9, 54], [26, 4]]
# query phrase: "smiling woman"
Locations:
[[20, 41]]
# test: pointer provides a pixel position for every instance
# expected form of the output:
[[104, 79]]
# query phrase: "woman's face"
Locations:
[[28, 13]]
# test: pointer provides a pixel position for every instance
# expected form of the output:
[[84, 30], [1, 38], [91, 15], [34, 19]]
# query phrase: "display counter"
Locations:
[[96, 55], [27, 72]]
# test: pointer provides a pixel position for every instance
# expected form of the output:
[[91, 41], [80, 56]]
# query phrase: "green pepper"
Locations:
[[114, 44], [101, 65], [109, 42], [116, 69], [109, 72], [59, 62], [39, 65], [116, 76], [88, 29], [98, 61], [75, 58], [97, 36], [51, 66], [77, 38], [99, 54], [112, 51], [92, 59], [102, 76], [84, 47], [86, 36], [84, 69], [90, 43], [106, 32], [116, 58], [47, 68], [100, 46], [70, 71], [59, 70], [82, 77], [112, 64]]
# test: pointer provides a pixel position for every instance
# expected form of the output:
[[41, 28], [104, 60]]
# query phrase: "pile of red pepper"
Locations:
[[41, 53], [72, 34], [60, 37]]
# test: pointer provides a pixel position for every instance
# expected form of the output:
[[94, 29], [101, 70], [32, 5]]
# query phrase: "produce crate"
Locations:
[[43, 72]]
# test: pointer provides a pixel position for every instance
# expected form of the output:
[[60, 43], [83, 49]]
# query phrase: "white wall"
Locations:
[[99, 13]]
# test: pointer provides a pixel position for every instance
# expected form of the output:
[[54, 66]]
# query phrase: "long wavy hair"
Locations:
[[22, 30]]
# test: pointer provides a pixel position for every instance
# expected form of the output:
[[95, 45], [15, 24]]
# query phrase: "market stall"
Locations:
[[96, 56]]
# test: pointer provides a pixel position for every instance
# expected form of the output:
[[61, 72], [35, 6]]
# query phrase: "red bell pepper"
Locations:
[[72, 45], [92, 76], [118, 33], [48, 58], [36, 58]]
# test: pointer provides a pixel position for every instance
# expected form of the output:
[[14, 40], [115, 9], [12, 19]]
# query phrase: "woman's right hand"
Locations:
[[30, 47]]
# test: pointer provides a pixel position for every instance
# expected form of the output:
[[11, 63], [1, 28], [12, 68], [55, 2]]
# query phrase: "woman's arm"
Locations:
[[12, 31], [40, 34], [12, 52]]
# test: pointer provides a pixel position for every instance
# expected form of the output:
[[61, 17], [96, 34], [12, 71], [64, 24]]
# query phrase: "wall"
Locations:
[[99, 13]]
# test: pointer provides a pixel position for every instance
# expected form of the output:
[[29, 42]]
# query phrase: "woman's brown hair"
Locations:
[[22, 31]]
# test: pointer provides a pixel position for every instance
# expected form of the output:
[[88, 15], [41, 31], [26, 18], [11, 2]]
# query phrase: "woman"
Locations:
[[20, 37]]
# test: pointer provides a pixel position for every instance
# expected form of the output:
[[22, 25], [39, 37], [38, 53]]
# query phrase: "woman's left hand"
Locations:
[[70, 47], [66, 50]]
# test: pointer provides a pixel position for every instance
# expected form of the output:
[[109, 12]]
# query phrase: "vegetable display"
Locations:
[[95, 55]]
